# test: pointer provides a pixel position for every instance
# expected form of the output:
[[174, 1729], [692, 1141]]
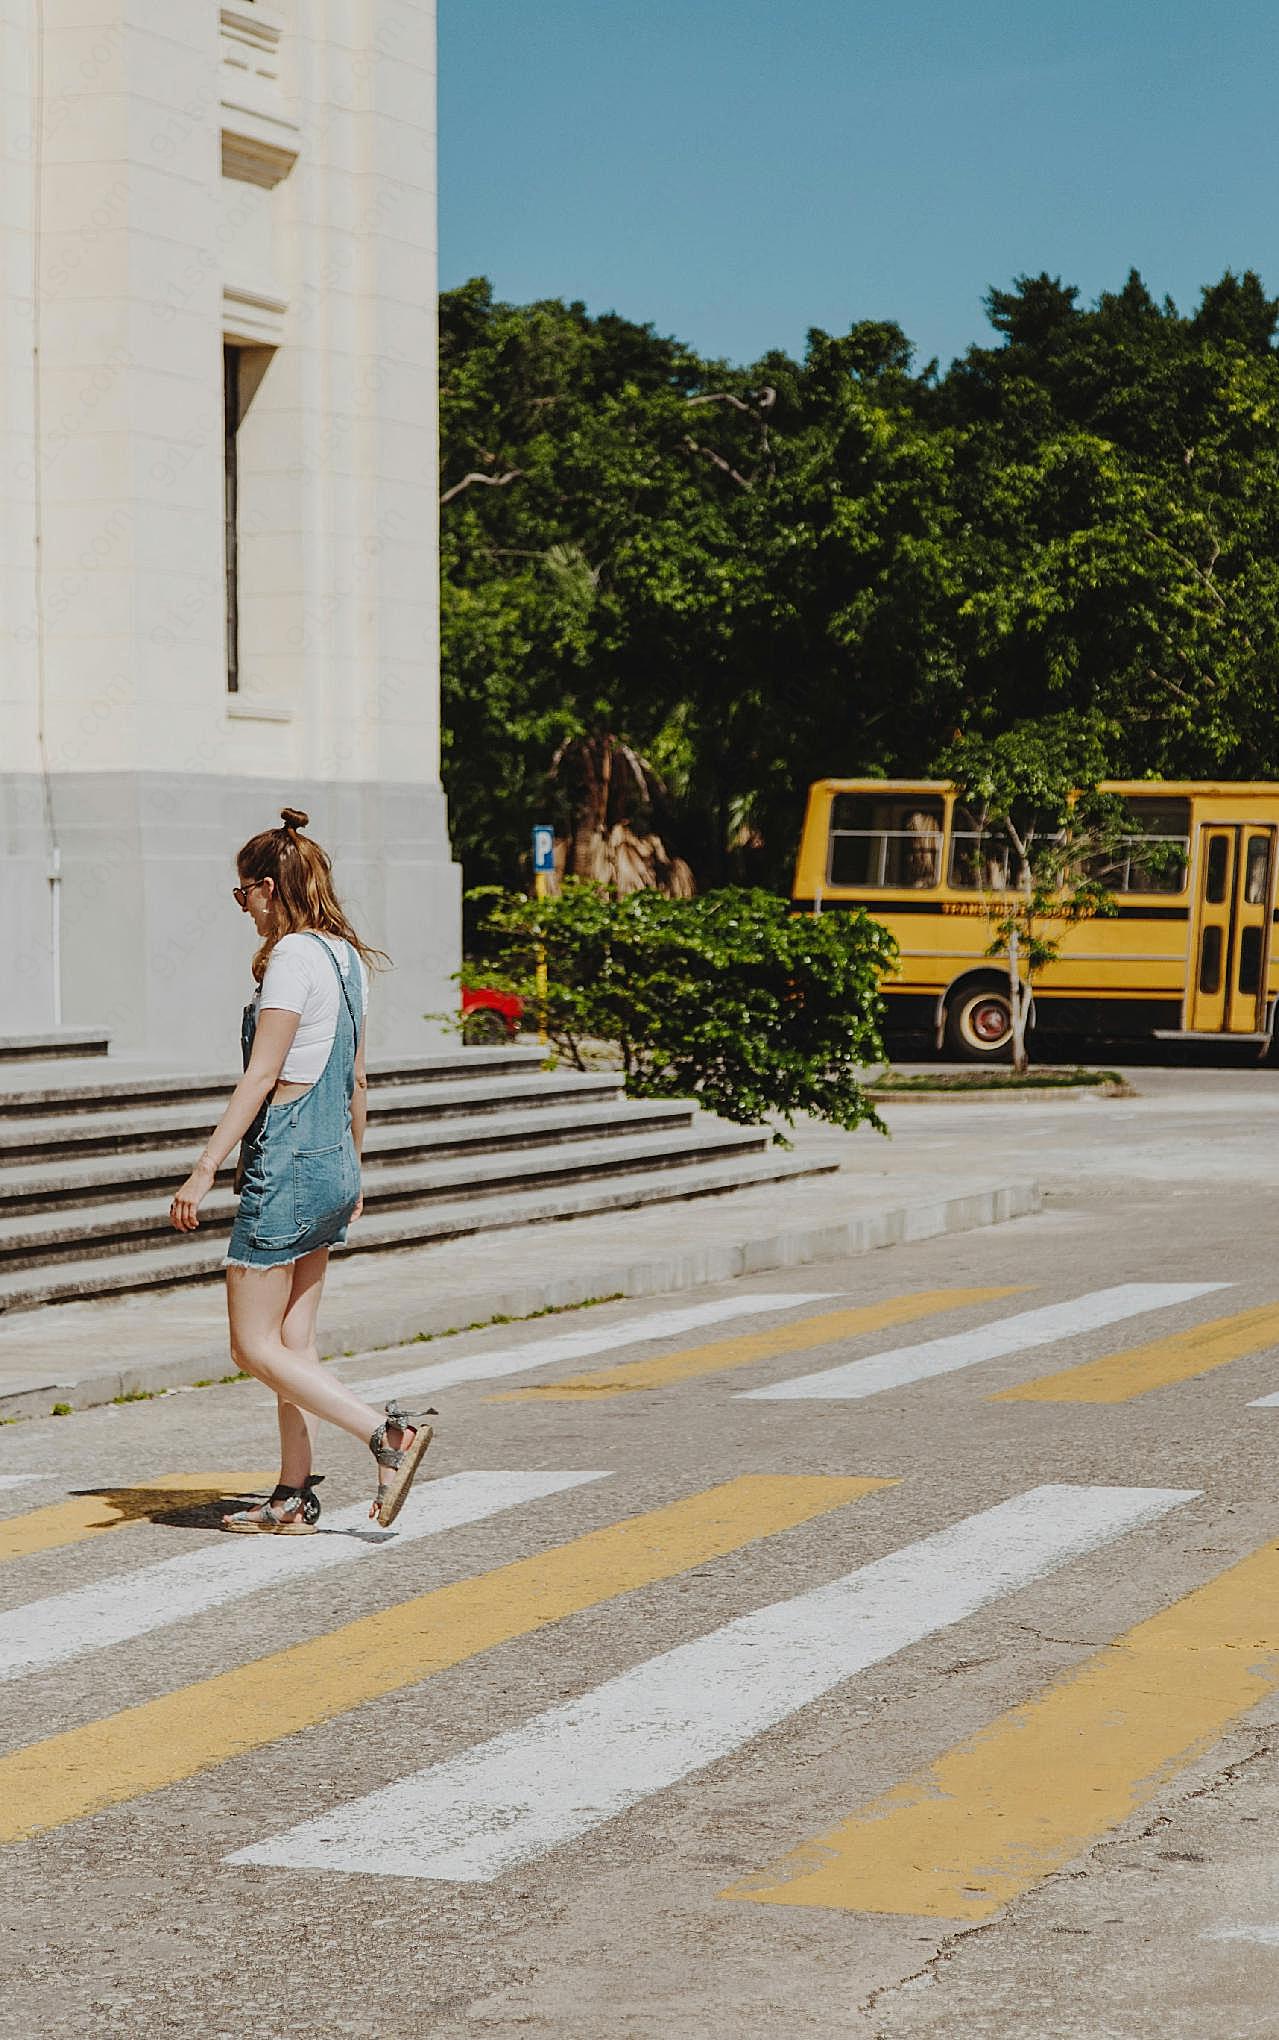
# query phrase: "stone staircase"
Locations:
[[92, 1149]]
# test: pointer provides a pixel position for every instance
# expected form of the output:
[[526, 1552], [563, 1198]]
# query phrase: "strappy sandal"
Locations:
[[290, 1512], [402, 1461]]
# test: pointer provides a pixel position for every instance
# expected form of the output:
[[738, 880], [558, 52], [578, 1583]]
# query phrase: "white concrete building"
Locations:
[[217, 500]]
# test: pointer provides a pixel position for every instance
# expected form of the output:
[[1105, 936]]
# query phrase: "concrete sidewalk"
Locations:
[[91, 1352]]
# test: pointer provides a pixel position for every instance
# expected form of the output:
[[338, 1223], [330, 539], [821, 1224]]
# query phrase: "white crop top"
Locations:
[[298, 980]]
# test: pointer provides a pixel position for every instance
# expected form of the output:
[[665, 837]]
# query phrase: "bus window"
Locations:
[[886, 839], [1156, 853], [1153, 858], [1215, 891], [1257, 887], [979, 858]]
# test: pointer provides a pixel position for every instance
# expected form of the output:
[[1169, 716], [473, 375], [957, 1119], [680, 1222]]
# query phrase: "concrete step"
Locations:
[[35, 1238], [200, 1259], [77, 1181], [33, 1089], [136, 1129], [63, 1042]]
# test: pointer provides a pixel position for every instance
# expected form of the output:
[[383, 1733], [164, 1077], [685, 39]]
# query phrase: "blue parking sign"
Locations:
[[543, 848]]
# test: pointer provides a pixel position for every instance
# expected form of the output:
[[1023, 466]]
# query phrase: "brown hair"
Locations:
[[304, 891]]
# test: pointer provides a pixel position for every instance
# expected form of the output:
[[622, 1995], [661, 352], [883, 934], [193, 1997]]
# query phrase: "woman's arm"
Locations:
[[359, 1110], [272, 1040], [360, 1098]]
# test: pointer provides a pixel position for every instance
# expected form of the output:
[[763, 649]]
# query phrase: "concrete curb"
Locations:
[[362, 1334]]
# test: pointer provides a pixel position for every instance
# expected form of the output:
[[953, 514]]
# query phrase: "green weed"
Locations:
[[505, 1318]]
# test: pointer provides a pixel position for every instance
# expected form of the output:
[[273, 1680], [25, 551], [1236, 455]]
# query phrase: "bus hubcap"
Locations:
[[988, 1021]]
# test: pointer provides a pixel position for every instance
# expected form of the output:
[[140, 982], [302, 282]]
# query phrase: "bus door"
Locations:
[[1232, 928]]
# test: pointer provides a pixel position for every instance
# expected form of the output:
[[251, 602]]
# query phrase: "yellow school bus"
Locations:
[[1188, 955]]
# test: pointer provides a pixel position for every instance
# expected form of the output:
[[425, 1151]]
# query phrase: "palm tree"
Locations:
[[616, 801]]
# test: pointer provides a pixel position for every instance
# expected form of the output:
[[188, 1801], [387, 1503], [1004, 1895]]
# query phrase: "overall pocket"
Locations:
[[321, 1185], [276, 1223], [271, 1193]]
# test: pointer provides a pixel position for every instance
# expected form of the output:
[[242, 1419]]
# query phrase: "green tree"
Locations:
[[753, 576], [1045, 836]]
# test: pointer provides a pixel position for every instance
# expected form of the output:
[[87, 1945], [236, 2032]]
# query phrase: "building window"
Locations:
[[231, 413]]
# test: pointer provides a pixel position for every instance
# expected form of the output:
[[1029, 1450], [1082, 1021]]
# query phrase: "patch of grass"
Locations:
[[999, 1080], [138, 1395], [504, 1318], [60, 1409], [482, 1324]]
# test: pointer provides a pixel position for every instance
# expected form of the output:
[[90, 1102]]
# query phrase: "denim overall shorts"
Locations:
[[301, 1177]]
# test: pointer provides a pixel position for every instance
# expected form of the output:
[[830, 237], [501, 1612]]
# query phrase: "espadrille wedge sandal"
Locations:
[[399, 1462], [290, 1512]]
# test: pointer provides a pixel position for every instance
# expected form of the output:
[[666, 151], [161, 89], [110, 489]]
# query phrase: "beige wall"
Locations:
[[202, 172]]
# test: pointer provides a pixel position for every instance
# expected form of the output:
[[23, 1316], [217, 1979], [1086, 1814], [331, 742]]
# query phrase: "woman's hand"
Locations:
[[185, 1206], [359, 1206]]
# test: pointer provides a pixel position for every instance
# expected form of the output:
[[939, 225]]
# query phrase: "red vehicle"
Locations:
[[490, 1017]]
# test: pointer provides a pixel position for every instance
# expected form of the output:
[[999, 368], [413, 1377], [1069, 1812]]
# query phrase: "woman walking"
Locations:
[[300, 1111]]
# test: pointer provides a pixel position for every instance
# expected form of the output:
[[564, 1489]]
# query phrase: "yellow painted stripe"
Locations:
[[70, 1522], [190, 1730], [1121, 1376], [825, 1330], [990, 1818]]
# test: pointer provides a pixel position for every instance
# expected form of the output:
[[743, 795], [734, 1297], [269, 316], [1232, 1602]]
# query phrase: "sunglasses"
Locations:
[[240, 893]]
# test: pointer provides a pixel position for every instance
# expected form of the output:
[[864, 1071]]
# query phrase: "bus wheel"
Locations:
[[979, 1024]]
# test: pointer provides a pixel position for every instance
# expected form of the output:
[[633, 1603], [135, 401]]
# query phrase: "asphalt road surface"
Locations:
[[885, 1648]]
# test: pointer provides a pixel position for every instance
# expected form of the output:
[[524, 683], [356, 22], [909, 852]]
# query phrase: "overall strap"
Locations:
[[341, 980]]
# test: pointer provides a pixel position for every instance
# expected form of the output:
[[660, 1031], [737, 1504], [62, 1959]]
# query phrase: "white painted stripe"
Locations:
[[583, 1762], [64, 1626], [1265, 1402], [1261, 1937], [8, 1480], [1053, 1321], [578, 1345]]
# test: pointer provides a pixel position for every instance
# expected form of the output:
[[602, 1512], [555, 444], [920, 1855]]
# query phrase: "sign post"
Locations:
[[543, 866]]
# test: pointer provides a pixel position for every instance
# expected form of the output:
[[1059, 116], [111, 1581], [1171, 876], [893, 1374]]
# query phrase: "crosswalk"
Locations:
[[493, 1363], [146, 1747], [70, 1625], [88, 1515], [1181, 1356], [853, 1379], [1118, 1377], [554, 1778], [663, 1370], [992, 1817], [955, 1838]]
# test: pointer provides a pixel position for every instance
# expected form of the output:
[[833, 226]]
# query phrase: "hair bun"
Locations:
[[293, 818]]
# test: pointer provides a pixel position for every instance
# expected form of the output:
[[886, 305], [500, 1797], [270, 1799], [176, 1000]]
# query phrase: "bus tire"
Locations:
[[979, 1024]]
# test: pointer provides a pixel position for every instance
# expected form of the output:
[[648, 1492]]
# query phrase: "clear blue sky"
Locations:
[[739, 170]]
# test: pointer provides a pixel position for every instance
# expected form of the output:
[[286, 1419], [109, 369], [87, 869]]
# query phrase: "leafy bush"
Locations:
[[730, 998]]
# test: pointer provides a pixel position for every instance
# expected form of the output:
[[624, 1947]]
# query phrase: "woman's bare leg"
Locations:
[[257, 1303], [297, 1426], [297, 1442]]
